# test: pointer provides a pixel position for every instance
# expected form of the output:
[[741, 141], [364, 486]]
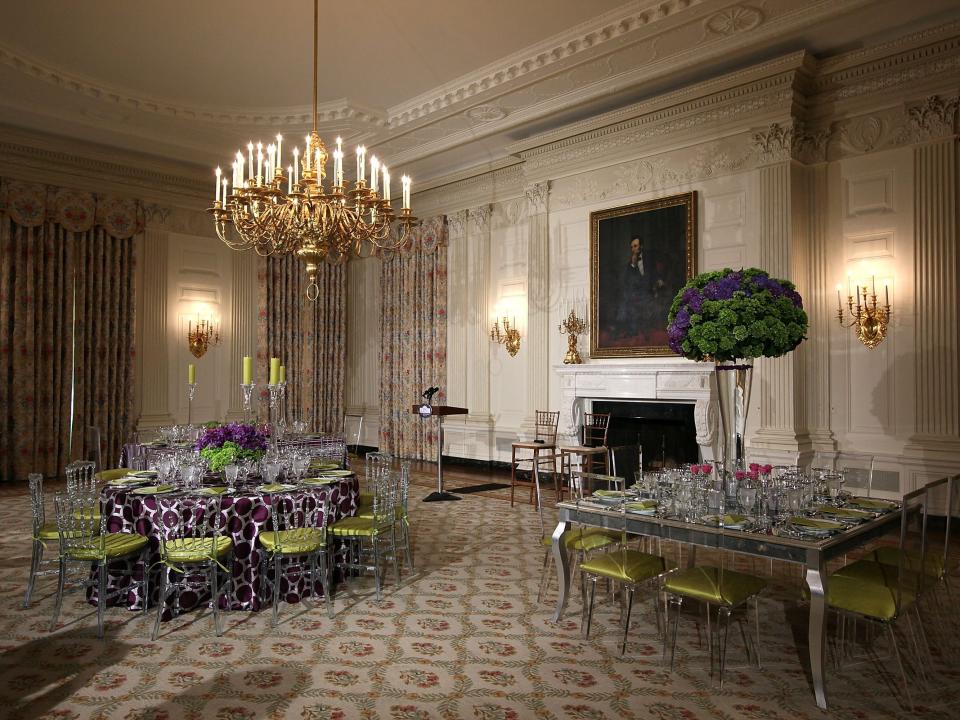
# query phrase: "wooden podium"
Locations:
[[439, 412]]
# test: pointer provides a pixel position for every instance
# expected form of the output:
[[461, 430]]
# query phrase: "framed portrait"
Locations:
[[640, 257]]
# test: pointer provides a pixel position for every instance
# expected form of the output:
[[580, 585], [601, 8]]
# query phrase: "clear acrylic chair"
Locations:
[[81, 477], [630, 569], [376, 530], [717, 586], [84, 540], [194, 553], [857, 470], [44, 533], [296, 546]]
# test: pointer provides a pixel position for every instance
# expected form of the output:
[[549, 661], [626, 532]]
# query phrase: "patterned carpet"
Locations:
[[462, 638]]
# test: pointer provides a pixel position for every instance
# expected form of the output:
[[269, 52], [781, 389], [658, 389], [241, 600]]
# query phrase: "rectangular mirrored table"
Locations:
[[813, 553]]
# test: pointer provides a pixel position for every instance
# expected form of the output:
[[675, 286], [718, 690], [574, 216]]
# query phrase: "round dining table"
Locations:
[[246, 514]]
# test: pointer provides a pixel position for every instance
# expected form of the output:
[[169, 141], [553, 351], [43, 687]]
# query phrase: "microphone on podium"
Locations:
[[429, 393]]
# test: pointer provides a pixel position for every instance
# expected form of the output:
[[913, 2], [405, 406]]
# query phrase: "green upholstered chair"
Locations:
[[368, 535], [296, 545], [630, 569], [83, 540], [717, 586], [882, 592], [195, 555], [374, 463], [44, 535]]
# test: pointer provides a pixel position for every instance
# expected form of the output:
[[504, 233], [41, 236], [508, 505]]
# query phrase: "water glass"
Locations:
[[230, 473], [747, 495]]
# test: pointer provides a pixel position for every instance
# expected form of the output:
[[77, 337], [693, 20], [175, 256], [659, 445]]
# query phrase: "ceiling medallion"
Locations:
[[279, 211]]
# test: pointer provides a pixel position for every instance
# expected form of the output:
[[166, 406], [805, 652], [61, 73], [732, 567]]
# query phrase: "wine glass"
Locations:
[[747, 496], [230, 473]]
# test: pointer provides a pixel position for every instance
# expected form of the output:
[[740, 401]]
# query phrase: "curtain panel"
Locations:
[[413, 334], [308, 337], [67, 301]]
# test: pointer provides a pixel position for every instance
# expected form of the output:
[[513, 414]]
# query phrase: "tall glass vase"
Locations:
[[733, 394]]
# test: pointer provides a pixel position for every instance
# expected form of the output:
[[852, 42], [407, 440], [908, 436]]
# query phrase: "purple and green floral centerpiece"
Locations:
[[730, 317], [728, 314], [222, 445]]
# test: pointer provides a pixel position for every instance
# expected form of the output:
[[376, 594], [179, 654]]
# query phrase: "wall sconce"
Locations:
[[201, 337], [868, 319], [509, 337]]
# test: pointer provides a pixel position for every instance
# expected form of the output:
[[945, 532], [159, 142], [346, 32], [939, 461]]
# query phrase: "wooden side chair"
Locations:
[[593, 438], [542, 451]]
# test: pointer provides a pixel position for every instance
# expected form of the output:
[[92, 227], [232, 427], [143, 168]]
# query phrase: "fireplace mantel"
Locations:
[[664, 380]]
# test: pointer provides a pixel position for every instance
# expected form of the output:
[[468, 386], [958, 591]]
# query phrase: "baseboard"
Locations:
[[362, 450]]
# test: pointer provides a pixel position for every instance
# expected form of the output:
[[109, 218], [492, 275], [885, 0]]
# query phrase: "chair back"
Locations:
[[943, 513], [385, 499], [190, 517], [376, 463], [913, 549], [546, 425], [295, 511], [857, 471], [358, 434], [92, 447], [595, 428], [81, 525], [403, 488], [81, 477], [37, 510]]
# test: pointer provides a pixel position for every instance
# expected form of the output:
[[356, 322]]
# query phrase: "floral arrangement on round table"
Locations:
[[729, 314], [222, 445]]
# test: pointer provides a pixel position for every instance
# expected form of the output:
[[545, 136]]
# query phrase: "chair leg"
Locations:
[[756, 617], [164, 578], [626, 621], [276, 590], [215, 598], [513, 474], [36, 557], [677, 604], [102, 596], [723, 612], [59, 601], [545, 575], [325, 579], [593, 592], [375, 541], [896, 654], [406, 542]]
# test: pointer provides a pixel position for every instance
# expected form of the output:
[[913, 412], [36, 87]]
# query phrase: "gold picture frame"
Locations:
[[640, 257]]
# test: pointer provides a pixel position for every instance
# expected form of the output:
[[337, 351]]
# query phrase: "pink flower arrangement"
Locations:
[[704, 469]]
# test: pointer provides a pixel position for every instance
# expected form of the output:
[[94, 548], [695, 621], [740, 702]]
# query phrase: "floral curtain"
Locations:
[[413, 332], [308, 337], [67, 303]]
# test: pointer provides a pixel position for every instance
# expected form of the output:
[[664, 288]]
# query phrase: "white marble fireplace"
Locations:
[[662, 380]]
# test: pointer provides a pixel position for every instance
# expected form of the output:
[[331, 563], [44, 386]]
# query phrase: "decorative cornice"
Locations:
[[332, 111], [585, 38]]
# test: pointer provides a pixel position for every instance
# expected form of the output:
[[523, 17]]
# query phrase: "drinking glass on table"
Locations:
[[230, 473], [834, 484], [301, 464], [747, 496]]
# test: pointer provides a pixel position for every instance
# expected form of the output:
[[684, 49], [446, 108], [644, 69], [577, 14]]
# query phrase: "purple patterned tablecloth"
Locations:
[[246, 514]]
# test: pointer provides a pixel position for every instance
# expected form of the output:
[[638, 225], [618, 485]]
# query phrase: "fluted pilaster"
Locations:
[[537, 342], [243, 324], [478, 314], [936, 271], [457, 313], [155, 404]]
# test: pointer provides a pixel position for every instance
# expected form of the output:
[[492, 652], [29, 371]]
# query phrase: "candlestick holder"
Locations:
[[868, 319], [247, 390], [276, 390], [191, 392], [572, 326]]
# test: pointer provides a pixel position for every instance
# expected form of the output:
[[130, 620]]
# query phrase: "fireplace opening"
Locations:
[[666, 431]]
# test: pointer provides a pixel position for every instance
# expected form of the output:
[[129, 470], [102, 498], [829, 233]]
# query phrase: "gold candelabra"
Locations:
[[277, 210], [868, 319], [572, 326], [509, 337], [201, 337]]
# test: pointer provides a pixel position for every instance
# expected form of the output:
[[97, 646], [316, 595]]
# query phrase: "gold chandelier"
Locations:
[[277, 211]]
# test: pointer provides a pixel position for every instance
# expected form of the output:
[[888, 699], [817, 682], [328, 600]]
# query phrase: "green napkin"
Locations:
[[336, 473], [153, 490], [323, 465], [814, 524], [219, 490], [872, 503], [273, 487], [642, 505], [319, 481], [728, 520], [608, 493], [844, 512], [128, 480]]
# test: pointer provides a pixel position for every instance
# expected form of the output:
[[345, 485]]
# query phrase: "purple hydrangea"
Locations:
[[248, 437]]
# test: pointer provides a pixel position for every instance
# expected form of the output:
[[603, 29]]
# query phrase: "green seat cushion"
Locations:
[[85, 515], [868, 588], [297, 541], [624, 565], [933, 565], [587, 539], [365, 500], [366, 512], [355, 526], [113, 474], [713, 585], [187, 550], [49, 532], [111, 545]]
